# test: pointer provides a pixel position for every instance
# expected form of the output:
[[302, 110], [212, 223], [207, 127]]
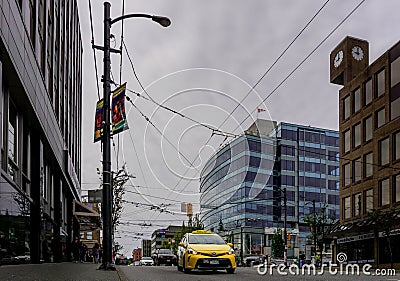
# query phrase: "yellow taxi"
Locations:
[[204, 250]]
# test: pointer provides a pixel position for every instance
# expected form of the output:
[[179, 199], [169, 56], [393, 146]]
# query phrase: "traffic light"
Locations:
[[311, 229], [288, 236]]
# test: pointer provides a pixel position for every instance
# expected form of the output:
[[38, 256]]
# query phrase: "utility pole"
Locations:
[[285, 226], [241, 244], [315, 229], [107, 188]]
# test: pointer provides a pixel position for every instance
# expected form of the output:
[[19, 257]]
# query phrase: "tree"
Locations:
[[119, 180], [193, 224], [320, 224], [277, 245], [385, 221]]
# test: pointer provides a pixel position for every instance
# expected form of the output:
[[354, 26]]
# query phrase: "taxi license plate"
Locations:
[[214, 261]]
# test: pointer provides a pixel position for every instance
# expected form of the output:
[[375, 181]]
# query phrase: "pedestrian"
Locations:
[[45, 250], [100, 254], [76, 249], [83, 249], [95, 251]]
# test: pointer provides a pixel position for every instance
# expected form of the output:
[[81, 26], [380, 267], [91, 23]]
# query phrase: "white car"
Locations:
[[146, 261]]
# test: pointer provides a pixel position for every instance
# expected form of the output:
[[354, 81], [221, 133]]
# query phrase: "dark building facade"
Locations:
[[241, 184], [40, 127], [369, 127]]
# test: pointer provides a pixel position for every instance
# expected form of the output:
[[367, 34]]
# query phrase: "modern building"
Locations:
[[369, 127], [40, 127], [162, 238], [242, 184], [146, 248]]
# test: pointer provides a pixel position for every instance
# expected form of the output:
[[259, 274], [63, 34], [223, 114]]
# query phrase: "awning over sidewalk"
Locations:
[[88, 219]]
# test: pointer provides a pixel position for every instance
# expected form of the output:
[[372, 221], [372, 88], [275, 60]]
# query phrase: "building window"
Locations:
[[346, 143], [380, 117], [396, 146], [346, 174], [357, 135], [395, 72], [384, 198], [368, 92], [394, 105], [89, 235], [357, 168], [368, 129], [368, 165], [357, 100], [32, 27], [82, 234], [346, 107], [26, 161], [396, 188], [384, 151], [346, 207], [369, 200], [380, 83], [12, 141], [357, 204]]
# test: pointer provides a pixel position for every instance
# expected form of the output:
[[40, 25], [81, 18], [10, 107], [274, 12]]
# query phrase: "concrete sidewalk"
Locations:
[[58, 271]]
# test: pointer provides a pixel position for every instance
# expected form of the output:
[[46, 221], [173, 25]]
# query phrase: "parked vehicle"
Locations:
[[252, 260], [204, 250], [146, 261], [121, 260], [164, 256]]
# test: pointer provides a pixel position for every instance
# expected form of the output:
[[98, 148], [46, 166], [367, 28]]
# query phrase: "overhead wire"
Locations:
[[303, 61], [159, 131], [262, 77], [276, 61]]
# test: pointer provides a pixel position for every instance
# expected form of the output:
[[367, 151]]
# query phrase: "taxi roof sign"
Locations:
[[202, 232]]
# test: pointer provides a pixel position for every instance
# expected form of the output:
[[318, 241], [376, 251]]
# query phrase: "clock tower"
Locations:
[[348, 59]]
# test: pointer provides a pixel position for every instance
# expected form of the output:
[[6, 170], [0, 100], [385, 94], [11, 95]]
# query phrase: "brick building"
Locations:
[[369, 126]]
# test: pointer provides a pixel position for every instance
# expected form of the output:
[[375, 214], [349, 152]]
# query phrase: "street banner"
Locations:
[[99, 118], [119, 122]]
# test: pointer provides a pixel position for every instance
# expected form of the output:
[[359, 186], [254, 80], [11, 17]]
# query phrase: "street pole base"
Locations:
[[107, 266]]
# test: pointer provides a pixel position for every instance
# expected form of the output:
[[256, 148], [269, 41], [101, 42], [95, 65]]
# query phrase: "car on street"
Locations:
[[204, 250], [121, 260], [252, 260], [146, 261], [164, 256]]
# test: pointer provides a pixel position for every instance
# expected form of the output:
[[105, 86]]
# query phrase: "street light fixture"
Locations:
[[107, 188]]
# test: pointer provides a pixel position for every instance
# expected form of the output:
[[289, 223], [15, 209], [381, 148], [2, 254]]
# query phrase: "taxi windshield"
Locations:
[[205, 239]]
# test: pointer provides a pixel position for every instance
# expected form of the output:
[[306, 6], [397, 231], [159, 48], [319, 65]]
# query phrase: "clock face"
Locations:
[[338, 58], [357, 52]]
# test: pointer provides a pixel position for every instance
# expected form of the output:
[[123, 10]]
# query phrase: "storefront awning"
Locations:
[[88, 219]]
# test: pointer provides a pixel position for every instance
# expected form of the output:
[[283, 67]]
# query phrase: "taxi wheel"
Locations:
[[230, 270], [185, 270]]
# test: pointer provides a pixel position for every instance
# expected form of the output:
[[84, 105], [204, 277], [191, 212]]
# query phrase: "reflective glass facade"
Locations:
[[241, 184]]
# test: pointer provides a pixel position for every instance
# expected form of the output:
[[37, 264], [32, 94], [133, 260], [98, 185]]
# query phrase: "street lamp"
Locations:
[[107, 188]]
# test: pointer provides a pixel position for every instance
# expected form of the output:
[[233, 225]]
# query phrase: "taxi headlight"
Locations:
[[191, 251]]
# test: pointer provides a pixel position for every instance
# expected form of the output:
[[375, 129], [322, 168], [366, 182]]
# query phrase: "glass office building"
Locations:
[[241, 184]]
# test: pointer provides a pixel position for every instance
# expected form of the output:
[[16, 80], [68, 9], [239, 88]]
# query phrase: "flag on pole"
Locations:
[[119, 122], [260, 110], [99, 120]]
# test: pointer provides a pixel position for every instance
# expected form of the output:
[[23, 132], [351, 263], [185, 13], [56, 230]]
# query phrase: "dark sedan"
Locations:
[[164, 256]]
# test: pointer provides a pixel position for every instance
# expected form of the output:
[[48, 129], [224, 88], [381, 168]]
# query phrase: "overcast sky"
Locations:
[[203, 65]]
